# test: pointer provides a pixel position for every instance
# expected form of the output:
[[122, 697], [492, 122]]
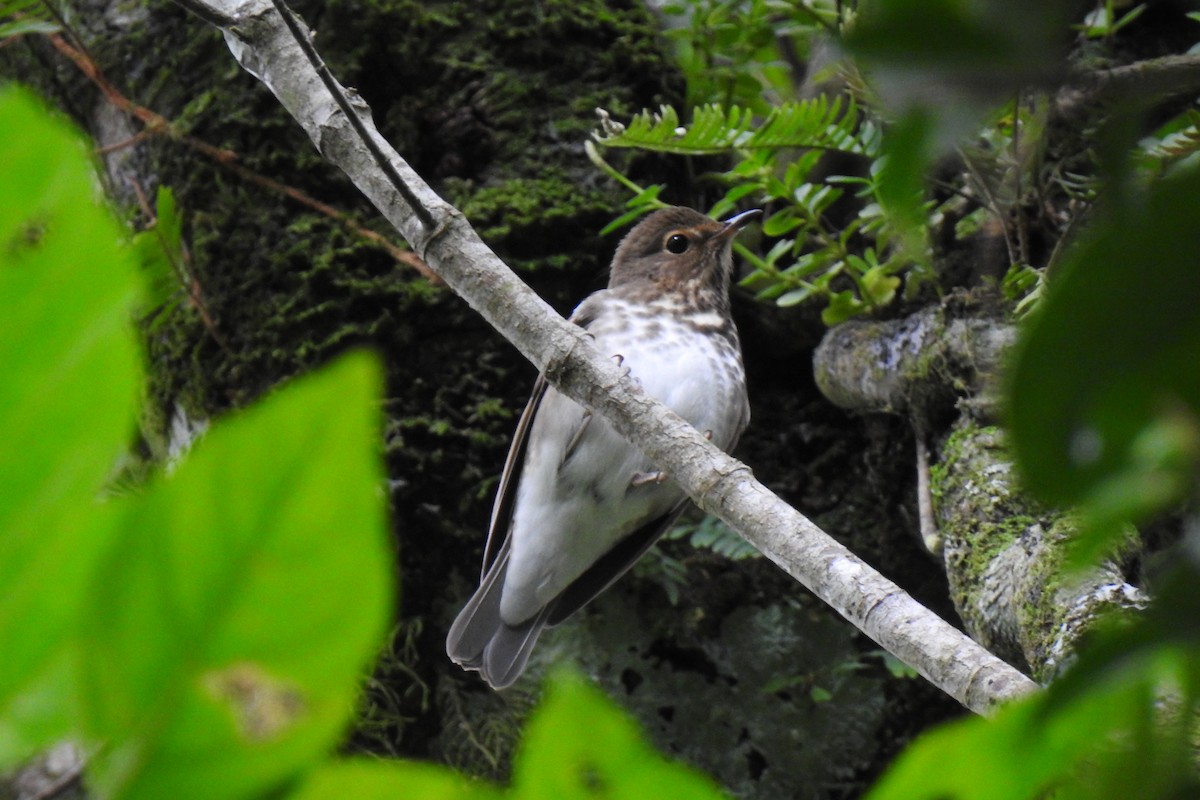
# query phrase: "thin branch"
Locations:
[[263, 44], [156, 124], [1148, 80], [925, 507]]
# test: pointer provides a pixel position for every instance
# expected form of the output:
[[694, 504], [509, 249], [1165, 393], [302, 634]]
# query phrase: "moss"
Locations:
[[980, 515], [491, 102], [1039, 611]]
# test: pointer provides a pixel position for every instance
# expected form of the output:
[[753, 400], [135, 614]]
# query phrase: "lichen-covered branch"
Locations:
[[1003, 553], [1004, 557], [720, 484], [917, 366], [1147, 80]]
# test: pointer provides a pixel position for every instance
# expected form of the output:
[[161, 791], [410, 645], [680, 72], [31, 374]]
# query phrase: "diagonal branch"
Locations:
[[261, 41]]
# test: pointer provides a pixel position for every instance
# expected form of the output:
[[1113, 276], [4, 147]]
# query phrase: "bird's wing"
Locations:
[[506, 493], [612, 565]]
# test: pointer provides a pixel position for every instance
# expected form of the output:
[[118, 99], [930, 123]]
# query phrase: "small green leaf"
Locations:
[[880, 288], [247, 593], [842, 306], [896, 667], [21, 27], [159, 251], [816, 123], [795, 296], [820, 695], [781, 222]]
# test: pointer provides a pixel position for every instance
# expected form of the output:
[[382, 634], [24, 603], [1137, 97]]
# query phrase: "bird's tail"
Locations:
[[480, 640]]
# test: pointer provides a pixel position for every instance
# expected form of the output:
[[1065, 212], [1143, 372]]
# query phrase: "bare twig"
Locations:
[[156, 124], [925, 512]]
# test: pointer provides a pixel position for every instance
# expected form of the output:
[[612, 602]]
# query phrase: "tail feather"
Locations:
[[480, 640]]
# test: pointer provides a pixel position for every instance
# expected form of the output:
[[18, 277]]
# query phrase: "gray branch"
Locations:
[[719, 484]]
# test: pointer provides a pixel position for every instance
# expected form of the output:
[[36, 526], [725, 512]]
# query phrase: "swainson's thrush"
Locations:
[[577, 504]]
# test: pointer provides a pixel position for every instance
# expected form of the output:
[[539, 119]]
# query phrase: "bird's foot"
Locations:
[[619, 360], [647, 478]]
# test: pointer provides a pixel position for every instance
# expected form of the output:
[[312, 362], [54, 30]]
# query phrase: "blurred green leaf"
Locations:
[[390, 780], [577, 745], [31, 17], [67, 399], [1118, 724], [986, 48], [246, 594], [901, 179], [22, 27], [1105, 389], [1016, 755], [820, 695]]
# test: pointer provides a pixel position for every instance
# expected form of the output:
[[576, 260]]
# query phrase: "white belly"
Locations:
[[569, 513]]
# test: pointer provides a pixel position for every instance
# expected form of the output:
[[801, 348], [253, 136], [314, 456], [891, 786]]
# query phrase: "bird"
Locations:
[[577, 504]]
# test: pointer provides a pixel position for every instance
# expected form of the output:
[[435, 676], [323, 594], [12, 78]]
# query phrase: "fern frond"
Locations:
[[815, 124], [20, 17], [1180, 144]]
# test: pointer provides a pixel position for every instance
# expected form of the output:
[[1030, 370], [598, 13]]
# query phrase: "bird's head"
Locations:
[[677, 250]]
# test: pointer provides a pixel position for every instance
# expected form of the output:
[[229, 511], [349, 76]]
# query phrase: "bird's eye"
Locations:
[[677, 243]]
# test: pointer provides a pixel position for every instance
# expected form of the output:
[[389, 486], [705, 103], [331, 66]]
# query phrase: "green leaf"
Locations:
[[245, 596], [781, 222], [896, 667], [794, 297], [159, 251], [842, 306], [879, 287], [577, 745], [1111, 357], [388, 780], [67, 399]]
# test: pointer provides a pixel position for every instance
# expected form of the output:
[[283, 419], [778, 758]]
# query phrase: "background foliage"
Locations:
[[234, 547]]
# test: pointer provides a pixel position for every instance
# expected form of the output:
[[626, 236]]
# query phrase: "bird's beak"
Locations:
[[736, 223]]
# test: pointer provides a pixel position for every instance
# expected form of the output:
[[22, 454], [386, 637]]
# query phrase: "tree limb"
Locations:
[[263, 44], [1003, 553]]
